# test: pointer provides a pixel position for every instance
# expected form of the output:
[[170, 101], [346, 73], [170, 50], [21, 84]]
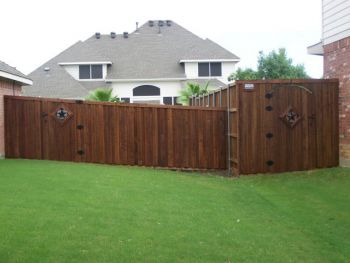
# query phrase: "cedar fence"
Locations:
[[131, 134], [279, 125], [247, 127]]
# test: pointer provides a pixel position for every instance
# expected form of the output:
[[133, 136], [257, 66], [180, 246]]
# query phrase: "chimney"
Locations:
[[112, 34], [98, 35], [168, 22], [160, 23], [125, 34], [150, 23], [137, 27]]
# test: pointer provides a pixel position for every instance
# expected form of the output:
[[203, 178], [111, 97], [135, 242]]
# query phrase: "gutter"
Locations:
[[145, 80]]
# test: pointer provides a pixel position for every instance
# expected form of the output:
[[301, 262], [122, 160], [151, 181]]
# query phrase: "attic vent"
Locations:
[[168, 22], [151, 23], [46, 69], [125, 34], [160, 23], [112, 34], [98, 35]]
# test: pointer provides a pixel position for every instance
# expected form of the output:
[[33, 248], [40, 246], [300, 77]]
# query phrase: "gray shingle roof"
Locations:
[[143, 55], [8, 69]]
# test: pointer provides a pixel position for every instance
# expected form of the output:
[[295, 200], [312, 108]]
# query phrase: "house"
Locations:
[[335, 49], [150, 65], [11, 82]]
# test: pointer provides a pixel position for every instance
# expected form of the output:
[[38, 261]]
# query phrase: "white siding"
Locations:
[[73, 70], [167, 89], [191, 70], [335, 20], [227, 69]]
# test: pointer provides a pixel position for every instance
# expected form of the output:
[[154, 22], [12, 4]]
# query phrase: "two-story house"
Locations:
[[335, 49], [150, 65]]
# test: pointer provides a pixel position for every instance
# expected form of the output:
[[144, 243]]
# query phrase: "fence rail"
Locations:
[[131, 134]]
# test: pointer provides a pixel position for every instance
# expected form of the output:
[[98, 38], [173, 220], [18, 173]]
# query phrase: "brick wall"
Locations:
[[6, 88], [337, 65]]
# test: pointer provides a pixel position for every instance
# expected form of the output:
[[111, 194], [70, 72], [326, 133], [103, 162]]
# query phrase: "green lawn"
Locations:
[[66, 212]]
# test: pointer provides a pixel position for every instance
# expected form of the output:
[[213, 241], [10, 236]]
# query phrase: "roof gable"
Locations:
[[147, 53]]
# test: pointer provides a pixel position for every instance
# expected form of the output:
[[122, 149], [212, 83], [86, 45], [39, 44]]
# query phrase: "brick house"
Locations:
[[11, 82], [335, 49]]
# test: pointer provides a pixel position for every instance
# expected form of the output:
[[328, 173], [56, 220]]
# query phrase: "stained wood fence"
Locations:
[[248, 127], [279, 125], [131, 134]]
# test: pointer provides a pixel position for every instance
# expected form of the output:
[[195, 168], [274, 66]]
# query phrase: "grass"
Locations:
[[66, 212]]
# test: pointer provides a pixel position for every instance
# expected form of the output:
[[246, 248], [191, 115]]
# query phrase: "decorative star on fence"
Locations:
[[62, 114], [290, 117]]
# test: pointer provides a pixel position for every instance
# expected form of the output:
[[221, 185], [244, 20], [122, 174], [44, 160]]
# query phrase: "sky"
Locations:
[[34, 31]]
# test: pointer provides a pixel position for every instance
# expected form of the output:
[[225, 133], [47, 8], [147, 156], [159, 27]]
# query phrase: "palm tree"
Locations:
[[102, 94], [192, 89]]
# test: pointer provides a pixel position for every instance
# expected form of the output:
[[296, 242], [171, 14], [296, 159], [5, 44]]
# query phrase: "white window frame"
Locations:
[[209, 76], [90, 66]]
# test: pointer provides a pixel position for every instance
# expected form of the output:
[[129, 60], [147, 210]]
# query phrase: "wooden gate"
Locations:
[[279, 125], [291, 126], [132, 134]]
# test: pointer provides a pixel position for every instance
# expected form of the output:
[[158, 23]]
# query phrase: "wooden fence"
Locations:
[[132, 134], [279, 125]]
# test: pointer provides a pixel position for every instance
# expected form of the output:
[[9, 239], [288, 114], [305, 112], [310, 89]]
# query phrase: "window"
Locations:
[[96, 71], [146, 90], [215, 69], [84, 71], [126, 100], [212, 69], [168, 100], [203, 69], [90, 72]]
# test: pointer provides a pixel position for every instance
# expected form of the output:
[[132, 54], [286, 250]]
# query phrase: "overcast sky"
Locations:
[[34, 31]]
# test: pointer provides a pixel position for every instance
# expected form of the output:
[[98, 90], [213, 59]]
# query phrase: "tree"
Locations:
[[192, 89], [244, 74], [102, 94], [275, 65]]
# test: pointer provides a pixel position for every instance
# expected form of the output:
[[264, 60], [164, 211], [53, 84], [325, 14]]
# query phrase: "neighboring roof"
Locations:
[[6, 71], [144, 54], [56, 81], [316, 49]]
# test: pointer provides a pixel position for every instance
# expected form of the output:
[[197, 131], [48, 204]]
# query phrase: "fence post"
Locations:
[[228, 131], [220, 98]]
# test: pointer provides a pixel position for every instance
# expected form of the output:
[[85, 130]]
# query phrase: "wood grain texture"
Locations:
[[258, 136], [130, 134]]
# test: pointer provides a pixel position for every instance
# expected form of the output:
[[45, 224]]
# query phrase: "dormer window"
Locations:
[[209, 69], [90, 72]]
